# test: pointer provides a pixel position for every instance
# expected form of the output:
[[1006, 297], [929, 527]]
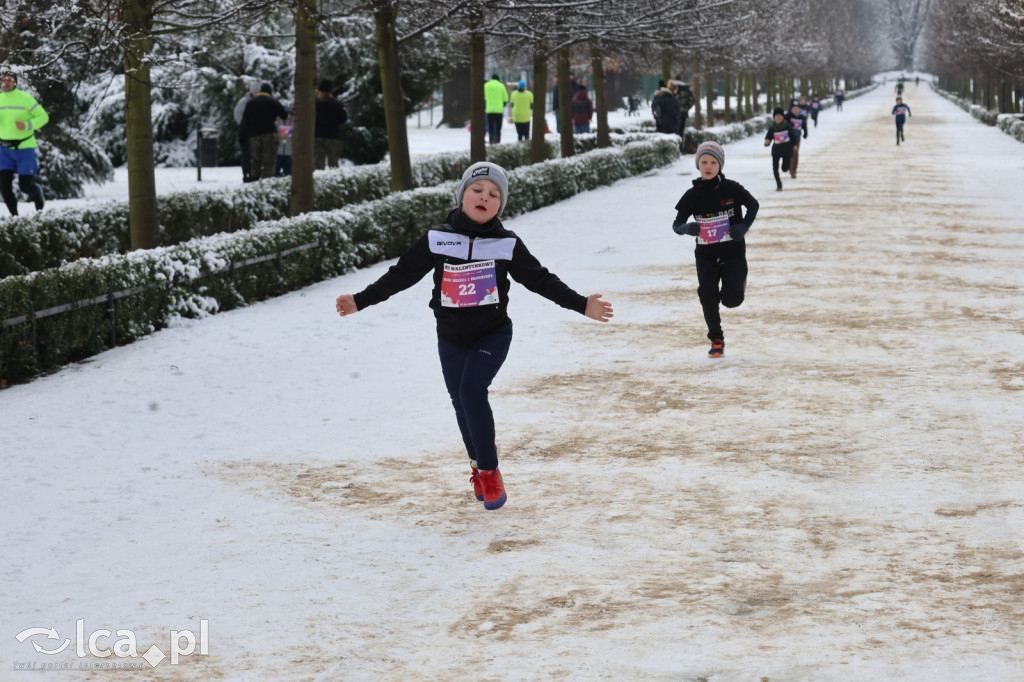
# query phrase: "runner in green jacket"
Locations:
[[20, 117]]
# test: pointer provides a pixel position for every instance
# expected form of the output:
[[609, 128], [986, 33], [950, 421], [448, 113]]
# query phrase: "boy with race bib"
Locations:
[[472, 256], [723, 211], [900, 111], [783, 139]]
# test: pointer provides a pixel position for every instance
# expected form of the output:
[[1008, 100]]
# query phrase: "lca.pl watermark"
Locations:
[[97, 645]]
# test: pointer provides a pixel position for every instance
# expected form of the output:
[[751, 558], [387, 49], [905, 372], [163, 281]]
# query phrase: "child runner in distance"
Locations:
[[798, 120], [471, 257], [723, 211], [783, 139], [815, 109], [900, 111]]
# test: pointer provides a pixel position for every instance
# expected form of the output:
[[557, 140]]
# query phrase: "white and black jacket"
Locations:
[[462, 246]]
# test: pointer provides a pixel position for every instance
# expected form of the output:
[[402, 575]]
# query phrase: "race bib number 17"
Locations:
[[713, 230], [469, 285]]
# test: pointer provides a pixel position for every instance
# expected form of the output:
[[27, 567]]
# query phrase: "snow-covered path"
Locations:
[[839, 498]]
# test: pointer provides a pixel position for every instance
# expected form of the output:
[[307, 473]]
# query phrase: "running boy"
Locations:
[[471, 257], [900, 111], [717, 206], [798, 120], [783, 139]]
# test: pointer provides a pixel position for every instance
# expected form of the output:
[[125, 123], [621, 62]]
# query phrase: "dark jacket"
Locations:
[[582, 108], [330, 115], [900, 111], [260, 116], [782, 136], [717, 198], [462, 242], [665, 108], [685, 98], [799, 123]]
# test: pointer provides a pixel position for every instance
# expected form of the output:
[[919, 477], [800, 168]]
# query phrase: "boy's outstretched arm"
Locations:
[[597, 309], [346, 305]]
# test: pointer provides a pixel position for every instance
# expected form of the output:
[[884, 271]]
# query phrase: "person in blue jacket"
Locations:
[[472, 258], [900, 111]]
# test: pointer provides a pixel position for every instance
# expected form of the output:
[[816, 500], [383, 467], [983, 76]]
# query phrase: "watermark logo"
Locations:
[[100, 644]]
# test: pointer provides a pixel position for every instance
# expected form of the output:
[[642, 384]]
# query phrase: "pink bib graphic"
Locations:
[[713, 230], [469, 285], [781, 137]]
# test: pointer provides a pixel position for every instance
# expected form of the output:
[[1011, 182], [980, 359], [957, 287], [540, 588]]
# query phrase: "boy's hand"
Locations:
[[767, 142], [346, 305], [738, 230], [597, 309]]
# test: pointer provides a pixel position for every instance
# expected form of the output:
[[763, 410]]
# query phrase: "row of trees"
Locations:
[[128, 81], [977, 48]]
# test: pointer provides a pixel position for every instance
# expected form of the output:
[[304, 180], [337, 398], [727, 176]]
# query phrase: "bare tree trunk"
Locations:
[[477, 106], [539, 150], [710, 91], [741, 87], [143, 224], [666, 64], [600, 101], [385, 16], [698, 117], [728, 94], [565, 104], [304, 111]]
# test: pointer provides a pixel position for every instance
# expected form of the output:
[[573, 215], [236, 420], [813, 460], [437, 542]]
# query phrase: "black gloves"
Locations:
[[692, 229], [738, 230]]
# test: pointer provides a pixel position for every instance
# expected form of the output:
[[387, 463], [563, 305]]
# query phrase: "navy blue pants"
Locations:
[[494, 122], [468, 372]]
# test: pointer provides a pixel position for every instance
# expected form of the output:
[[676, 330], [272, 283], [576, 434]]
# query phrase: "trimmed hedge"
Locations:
[[122, 297], [1011, 124], [39, 241]]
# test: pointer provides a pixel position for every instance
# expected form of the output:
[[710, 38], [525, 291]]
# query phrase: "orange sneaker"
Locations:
[[474, 478], [717, 348], [493, 489]]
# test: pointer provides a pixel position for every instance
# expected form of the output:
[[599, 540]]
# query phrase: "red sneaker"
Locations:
[[494, 490], [474, 478], [717, 348]]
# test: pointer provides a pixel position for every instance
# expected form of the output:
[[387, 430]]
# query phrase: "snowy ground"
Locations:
[[839, 498]]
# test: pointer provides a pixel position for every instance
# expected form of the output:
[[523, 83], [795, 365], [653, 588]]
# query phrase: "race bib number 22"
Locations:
[[469, 285]]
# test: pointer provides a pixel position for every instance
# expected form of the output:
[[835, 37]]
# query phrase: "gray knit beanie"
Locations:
[[714, 150], [484, 170]]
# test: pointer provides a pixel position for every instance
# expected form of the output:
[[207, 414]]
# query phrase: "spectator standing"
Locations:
[[686, 99], [20, 117], [331, 114], [522, 104], [665, 108], [582, 111], [573, 89], [259, 130], [244, 146], [495, 99], [283, 164]]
